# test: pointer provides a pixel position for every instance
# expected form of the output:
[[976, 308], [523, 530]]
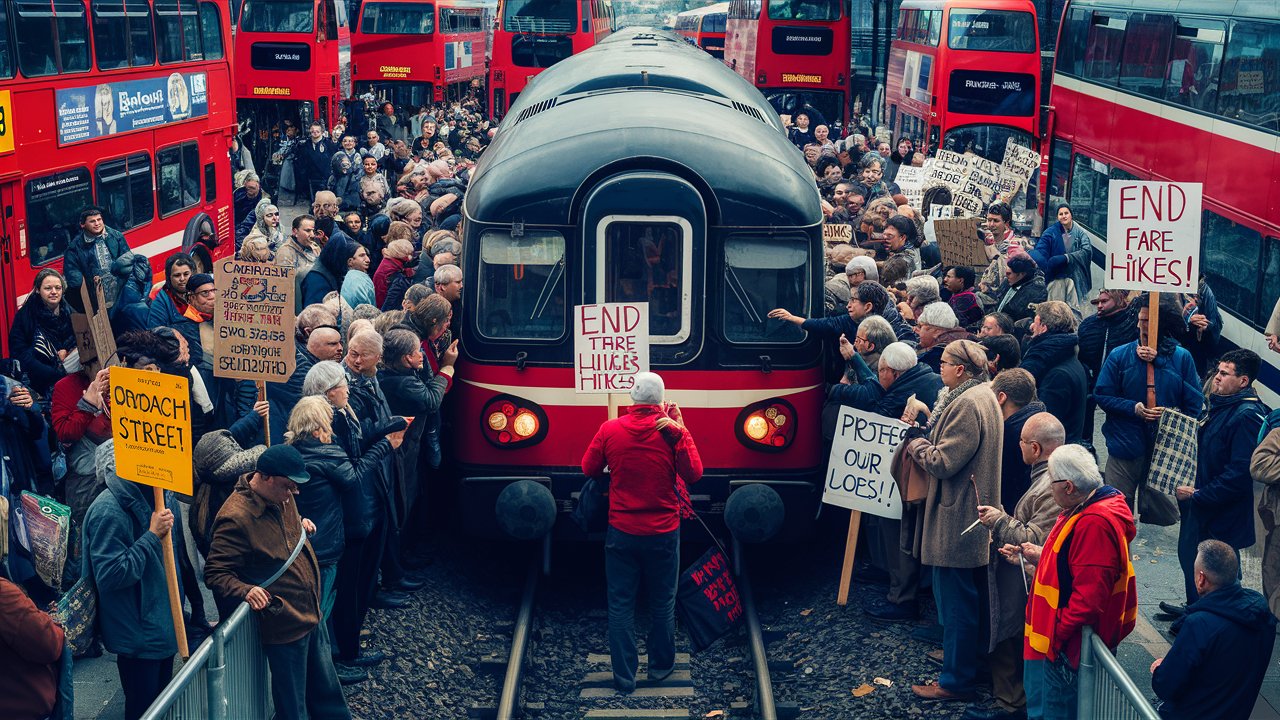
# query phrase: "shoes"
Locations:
[[659, 677], [893, 612], [1171, 609], [407, 584], [934, 691], [370, 659], [871, 575], [935, 656], [349, 674], [930, 634], [624, 689], [389, 600], [994, 713]]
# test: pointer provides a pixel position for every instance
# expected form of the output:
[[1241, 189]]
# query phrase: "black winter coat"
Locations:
[[34, 319], [378, 499], [1223, 500], [1022, 298], [1099, 335], [1015, 475], [1061, 381], [323, 499], [413, 393]]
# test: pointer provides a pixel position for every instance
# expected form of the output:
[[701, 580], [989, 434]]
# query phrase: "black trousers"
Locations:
[[357, 581], [142, 680]]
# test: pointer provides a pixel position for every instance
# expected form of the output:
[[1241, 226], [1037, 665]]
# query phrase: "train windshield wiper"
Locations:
[[548, 287], [740, 292]]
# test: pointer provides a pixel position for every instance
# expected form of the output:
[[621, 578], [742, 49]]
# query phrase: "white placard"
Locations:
[[910, 180], [858, 475], [610, 346], [1153, 236], [1022, 160]]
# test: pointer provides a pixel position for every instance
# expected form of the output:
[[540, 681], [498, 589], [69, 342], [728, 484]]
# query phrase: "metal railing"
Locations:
[[226, 677], [1106, 692]]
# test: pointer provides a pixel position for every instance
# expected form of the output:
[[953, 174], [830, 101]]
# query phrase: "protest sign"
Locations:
[[151, 422], [95, 340], [883, 135], [837, 233], [981, 185], [951, 159], [944, 174], [971, 205], [1022, 160], [253, 321], [858, 475], [1153, 236], [610, 346], [910, 180], [1011, 184], [958, 243]]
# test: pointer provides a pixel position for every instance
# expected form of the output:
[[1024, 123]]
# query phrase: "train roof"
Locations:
[[751, 175]]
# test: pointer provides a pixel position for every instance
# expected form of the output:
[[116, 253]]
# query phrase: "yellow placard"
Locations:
[[151, 423], [6, 122]]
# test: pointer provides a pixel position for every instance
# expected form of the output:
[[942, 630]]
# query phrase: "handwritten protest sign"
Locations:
[[610, 346], [910, 180], [253, 321], [837, 233], [1022, 160], [1153, 236], [970, 205], [958, 243], [858, 475], [944, 174], [151, 423], [981, 185]]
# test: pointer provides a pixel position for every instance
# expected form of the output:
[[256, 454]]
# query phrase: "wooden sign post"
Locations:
[[858, 476], [610, 346], [151, 423]]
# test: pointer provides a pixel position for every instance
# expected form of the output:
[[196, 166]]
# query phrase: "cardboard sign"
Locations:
[[858, 474], [837, 233], [253, 321], [950, 159], [1021, 160], [95, 341], [1153, 236], [610, 346], [972, 205], [958, 243], [911, 180], [151, 424], [944, 174], [980, 184]]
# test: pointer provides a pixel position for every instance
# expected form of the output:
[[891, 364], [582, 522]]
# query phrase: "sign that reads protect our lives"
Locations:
[[151, 424], [253, 321], [610, 346], [858, 474], [1153, 236]]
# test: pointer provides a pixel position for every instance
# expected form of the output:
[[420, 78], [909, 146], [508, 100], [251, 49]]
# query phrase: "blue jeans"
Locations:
[[304, 684], [630, 560], [1052, 688], [959, 610]]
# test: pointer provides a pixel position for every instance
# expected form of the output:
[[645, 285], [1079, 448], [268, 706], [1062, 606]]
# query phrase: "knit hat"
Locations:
[[220, 459], [198, 280]]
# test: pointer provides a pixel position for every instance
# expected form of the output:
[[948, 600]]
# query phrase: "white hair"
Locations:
[[323, 377], [938, 314], [866, 265], [924, 288], [899, 356], [648, 389], [1074, 463]]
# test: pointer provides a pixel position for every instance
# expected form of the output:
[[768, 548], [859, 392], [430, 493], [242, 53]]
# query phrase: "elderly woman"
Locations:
[[937, 327], [413, 380], [961, 456], [41, 336], [871, 177], [409, 212], [267, 228], [921, 290], [394, 275]]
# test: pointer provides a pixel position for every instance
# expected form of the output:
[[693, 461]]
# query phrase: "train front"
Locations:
[[655, 177]]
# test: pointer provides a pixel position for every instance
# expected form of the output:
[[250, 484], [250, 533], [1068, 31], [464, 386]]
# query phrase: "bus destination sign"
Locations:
[[110, 108]]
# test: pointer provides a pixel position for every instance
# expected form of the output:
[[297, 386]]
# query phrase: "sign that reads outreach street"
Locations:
[[109, 108], [253, 321], [858, 474], [151, 424], [610, 346], [1153, 236]]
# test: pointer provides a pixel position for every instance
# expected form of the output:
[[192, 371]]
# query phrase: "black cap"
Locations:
[[283, 461], [1022, 264], [198, 280]]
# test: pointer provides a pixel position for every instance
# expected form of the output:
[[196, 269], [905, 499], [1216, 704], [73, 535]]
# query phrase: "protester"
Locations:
[[41, 337], [1220, 657], [999, 233], [958, 281], [1002, 353], [996, 323], [1114, 323], [266, 228], [101, 252], [648, 451], [868, 298], [904, 256], [247, 195], [299, 252], [1065, 254], [1051, 357], [1017, 395], [311, 161], [1265, 468], [31, 646], [1021, 290], [920, 290], [80, 424], [938, 328]]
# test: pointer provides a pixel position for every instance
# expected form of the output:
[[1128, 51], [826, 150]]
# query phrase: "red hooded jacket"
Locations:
[[643, 463]]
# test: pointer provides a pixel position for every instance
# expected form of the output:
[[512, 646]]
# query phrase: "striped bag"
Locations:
[[1173, 460]]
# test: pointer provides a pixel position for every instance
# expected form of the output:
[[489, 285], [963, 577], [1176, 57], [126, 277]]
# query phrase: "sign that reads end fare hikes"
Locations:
[[1153, 236], [151, 424], [253, 321], [610, 346], [858, 473]]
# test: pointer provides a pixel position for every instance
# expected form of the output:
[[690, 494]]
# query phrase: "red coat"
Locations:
[[70, 423], [643, 463], [30, 649]]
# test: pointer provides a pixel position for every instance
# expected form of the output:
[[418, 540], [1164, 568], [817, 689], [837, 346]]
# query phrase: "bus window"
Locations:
[[1089, 193], [281, 16], [330, 21], [541, 16], [988, 141], [759, 275], [1195, 60], [211, 31], [459, 20], [1101, 59], [1229, 258], [1251, 84], [1059, 171], [1146, 52], [644, 262], [6, 52], [124, 191], [811, 10], [210, 182], [178, 30], [522, 283], [122, 34], [383, 18], [992, 31], [988, 92], [53, 38], [179, 185], [54, 203], [538, 51]]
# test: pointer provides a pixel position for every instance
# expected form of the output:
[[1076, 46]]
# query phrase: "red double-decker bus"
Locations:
[[532, 35], [1149, 90], [412, 53], [704, 27], [293, 62], [132, 111], [965, 75], [796, 52]]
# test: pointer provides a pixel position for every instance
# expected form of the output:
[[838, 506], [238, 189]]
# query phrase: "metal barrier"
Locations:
[[1106, 692], [226, 677]]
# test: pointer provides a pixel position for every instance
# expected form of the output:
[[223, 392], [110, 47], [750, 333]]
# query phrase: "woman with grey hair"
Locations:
[[921, 290], [267, 227]]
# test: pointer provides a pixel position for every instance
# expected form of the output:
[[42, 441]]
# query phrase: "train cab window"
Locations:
[[124, 191], [384, 18], [1251, 85], [6, 50], [282, 16], [179, 185], [761, 274], [211, 30], [53, 37], [649, 261], [522, 285], [53, 212], [992, 31], [178, 30], [811, 10], [1230, 254], [122, 35]]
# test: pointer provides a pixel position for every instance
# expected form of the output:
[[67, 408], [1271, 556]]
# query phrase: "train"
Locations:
[[641, 169]]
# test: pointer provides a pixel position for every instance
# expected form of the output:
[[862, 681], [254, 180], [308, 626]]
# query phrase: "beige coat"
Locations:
[[1265, 468], [962, 454], [1273, 326], [1031, 522]]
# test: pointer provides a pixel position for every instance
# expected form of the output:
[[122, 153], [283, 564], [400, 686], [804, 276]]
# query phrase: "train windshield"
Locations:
[[644, 262], [759, 275], [522, 285]]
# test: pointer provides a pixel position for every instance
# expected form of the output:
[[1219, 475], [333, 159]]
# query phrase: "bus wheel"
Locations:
[[197, 240], [204, 259]]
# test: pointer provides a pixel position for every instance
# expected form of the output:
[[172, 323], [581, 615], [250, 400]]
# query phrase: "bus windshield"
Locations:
[[822, 107], [986, 141], [992, 31], [809, 10], [540, 16], [380, 18], [282, 16]]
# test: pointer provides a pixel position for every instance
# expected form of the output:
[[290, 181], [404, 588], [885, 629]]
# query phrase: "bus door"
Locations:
[[645, 237], [9, 252]]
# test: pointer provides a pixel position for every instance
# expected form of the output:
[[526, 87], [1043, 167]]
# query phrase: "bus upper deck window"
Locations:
[[53, 38], [122, 35], [808, 10], [6, 52]]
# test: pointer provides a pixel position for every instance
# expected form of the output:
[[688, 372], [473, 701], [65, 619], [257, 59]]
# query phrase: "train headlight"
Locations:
[[525, 425], [512, 422], [497, 422], [768, 426]]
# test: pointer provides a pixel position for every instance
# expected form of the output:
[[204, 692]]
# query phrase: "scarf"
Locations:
[[947, 395]]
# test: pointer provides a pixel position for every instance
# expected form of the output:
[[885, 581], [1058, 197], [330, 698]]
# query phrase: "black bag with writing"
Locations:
[[707, 599]]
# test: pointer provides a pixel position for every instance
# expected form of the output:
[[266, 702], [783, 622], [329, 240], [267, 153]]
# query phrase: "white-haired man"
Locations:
[[937, 326], [861, 269], [647, 451]]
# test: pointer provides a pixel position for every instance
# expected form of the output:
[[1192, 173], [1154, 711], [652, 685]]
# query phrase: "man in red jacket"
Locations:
[[30, 648], [647, 451]]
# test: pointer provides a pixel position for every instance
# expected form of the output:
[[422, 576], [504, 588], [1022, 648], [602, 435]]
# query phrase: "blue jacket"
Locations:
[[1123, 383], [80, 262], [836, 325], [1219, 658], [164, 313], [1223, 499], [125, 562]]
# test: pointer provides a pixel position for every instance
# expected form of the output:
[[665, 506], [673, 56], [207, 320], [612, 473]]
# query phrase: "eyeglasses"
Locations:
[[948, 362]]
